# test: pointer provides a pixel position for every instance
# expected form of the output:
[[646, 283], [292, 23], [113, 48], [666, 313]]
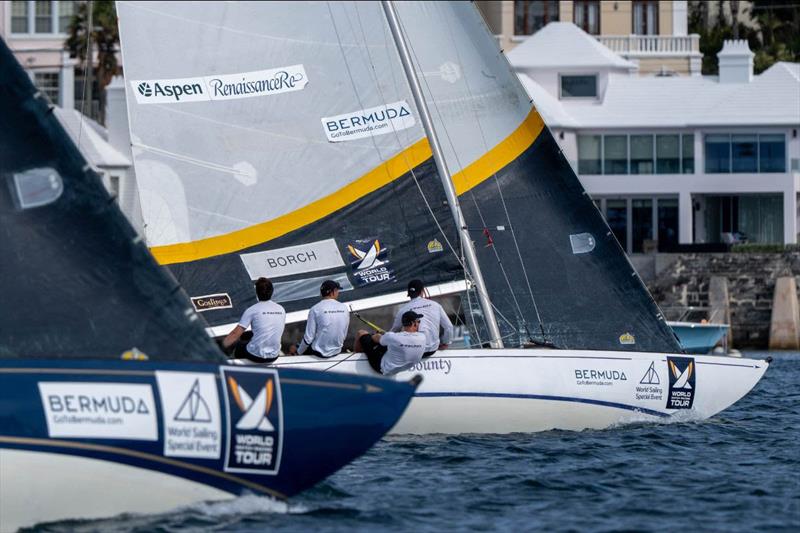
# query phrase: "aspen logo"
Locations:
[[627, 338], [370, 262], [682, 382], [99, 410], [378, 120], [255, 420], [434, 246], [220, 87], [211, 301]]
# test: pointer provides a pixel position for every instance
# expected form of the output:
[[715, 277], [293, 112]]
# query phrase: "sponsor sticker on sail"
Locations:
[[255, 420], [369, 260], [190, 413], [211, 301], [682, 383], [99, 410], [308, 257], [379, 120], [220, 87]]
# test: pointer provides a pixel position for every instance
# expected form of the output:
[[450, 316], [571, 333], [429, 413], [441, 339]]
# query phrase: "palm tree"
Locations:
[[103, 41]]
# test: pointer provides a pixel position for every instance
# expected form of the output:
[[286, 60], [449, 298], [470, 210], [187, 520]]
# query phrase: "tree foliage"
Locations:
[[772, 29]]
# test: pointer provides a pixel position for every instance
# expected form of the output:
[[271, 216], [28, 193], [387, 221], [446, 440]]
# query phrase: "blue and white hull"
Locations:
[[529, 390], [90, 439], [698, 338]]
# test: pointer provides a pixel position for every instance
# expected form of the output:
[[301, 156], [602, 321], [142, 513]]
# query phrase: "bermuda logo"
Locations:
[[368, 258], [682, 382], [255, 420], [254, 411], [144, 89]]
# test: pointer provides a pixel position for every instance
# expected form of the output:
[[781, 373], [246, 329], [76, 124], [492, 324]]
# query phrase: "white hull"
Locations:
[[41, 487], [523, 390]]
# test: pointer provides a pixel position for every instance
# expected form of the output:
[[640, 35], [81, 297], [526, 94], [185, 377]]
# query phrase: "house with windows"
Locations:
[[672, 160], [651, 34]]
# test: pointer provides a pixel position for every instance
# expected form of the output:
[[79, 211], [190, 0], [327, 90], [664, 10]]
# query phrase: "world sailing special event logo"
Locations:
[[370, 262], [682, 373], [222, 87], [649, 387], [190, 414], [378, 120], [255, 420]]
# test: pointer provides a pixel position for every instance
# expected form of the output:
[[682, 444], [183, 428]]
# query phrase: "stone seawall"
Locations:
[[681, 280]]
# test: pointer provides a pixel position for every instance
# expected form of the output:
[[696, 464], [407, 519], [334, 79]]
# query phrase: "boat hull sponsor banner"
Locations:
[[220, 87], [378, 120], [211, 301], [369, 260], [99, 410], [190, 414], [682, 382], [310, 257], [255, 420]]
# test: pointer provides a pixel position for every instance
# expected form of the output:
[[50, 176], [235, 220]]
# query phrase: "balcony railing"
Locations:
[[652, 45]]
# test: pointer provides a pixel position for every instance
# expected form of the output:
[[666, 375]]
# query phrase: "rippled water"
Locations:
[[739, 471]]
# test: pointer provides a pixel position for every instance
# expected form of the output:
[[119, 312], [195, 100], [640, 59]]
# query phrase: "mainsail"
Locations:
[[281, 139], [75, 279]]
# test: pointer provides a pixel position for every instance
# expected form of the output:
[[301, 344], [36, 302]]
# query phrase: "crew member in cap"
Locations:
[[328, 322], [393, 352], [435, 324], [267, 319]]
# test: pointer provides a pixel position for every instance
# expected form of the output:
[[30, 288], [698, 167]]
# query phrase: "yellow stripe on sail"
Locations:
[[484, 167]]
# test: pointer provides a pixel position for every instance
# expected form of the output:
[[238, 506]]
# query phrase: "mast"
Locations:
[[444, 174]]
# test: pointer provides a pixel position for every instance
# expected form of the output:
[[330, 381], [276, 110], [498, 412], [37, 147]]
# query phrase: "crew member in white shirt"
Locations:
[[267, 320], [393, 352], [328, 322], [434, 318]]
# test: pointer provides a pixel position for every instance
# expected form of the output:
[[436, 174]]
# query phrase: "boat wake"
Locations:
[[244, 505]]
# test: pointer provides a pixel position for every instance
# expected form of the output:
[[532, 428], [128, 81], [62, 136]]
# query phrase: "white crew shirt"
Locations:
[[433, 318], [326, 329], [405, 350], [267, 320]]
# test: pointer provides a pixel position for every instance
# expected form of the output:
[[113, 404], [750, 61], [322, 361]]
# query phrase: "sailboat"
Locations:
[[374, 143], [112, 397]]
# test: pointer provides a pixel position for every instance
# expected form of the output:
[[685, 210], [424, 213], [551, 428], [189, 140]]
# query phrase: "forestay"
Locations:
[[280, 139]]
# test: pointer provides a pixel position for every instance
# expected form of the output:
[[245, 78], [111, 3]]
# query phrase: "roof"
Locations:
[[770, 99], [90, 138], [564, 45]]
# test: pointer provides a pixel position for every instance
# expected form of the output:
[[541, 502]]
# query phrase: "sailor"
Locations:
[[434, 319], [328, 322], [393, 352], [267, 319]]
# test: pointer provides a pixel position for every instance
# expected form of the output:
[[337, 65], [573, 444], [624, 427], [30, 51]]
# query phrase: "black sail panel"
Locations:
[[566, 262], [75, 280]]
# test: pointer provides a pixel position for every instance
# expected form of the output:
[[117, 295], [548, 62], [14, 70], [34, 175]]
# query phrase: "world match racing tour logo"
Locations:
[[682, 384], [255, 420], [220, 87], [370, 262]]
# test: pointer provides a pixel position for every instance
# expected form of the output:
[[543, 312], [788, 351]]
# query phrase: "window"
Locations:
[[772, 153], [645, 17], [532, 15], [49, 84], [687, 153], [642, 222], [667, 224], [66, 10], [579, 86], [615, 154], [19, 17], [668, 154], [617, 218], [718, 154], [745, 153], [587, 16], [641, 154], [589, 154], [44, 17]]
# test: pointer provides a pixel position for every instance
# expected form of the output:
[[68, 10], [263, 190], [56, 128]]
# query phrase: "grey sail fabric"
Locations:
[[75, 279]]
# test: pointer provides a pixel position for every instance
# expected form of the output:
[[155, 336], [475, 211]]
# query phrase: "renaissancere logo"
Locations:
[[220, 87], [378, 120]]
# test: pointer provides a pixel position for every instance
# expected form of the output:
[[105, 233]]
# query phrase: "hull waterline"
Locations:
[[514, 390], [91, 439]]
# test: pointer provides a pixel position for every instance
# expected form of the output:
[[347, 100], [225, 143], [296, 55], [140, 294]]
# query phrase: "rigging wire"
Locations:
[[86, 67]]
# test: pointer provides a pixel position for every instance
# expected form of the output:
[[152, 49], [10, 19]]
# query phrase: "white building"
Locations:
[[672, 159]]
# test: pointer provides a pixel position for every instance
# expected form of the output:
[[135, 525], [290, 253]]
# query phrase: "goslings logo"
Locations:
[[211, 301], [223, 87], [255, 409], [682, 375], [370, 262], [378, 120]]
